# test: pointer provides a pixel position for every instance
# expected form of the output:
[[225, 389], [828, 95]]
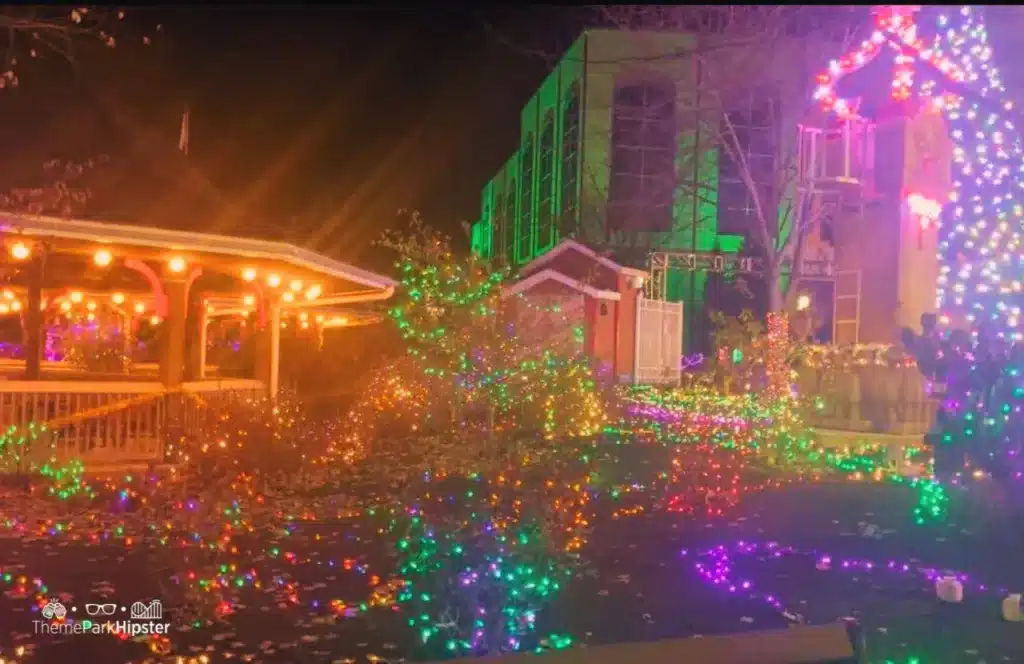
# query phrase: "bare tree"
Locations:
[[753, 60], [60, 193], [56, 32]]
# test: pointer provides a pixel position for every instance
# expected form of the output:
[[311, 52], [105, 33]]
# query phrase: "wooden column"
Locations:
[[172, 357], [260, 341], [204, 328], [195, 368], [261, 351], [33, 347], [275, 350]]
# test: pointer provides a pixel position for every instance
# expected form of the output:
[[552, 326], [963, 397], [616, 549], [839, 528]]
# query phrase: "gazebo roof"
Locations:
[[94, 234]]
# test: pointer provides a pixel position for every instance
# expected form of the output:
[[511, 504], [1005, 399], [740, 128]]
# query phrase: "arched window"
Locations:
[[525, 248], [498, 228], [570, 159], [546, 193], [486, 228], [510, 223], [642, 157]]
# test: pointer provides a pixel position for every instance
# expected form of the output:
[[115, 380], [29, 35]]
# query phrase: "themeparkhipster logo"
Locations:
[[143, 619]]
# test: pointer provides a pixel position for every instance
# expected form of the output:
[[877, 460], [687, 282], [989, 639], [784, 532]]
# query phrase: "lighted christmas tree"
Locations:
[[980, 245], [469, 345], [447, 306], [976, 354]]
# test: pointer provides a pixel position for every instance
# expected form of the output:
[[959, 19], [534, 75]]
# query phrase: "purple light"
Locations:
[[715, 566]]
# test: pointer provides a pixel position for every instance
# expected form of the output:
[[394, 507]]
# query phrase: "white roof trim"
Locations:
[[549, 274], [100, 232], [567, 244]]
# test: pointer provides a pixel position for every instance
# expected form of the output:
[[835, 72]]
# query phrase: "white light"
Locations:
[[102, 258]]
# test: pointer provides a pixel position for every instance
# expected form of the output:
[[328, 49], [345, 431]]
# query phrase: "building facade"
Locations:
[[622, 149]]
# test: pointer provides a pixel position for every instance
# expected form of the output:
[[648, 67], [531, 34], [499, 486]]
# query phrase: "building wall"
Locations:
[[550, 316], [614, 58], [896, 257], [483, 231], [929, 174], [868, 243], [601, 333], [600, 62], [547, 208]]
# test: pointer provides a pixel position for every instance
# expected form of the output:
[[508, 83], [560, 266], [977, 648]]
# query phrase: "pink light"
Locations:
[[927, 209]]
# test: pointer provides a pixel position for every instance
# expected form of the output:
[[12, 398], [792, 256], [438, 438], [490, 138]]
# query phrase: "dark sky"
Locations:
[[345, 116], [316, 124]]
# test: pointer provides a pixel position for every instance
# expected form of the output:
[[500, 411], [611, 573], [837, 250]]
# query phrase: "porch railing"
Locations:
[[110, 422], [874, 415], [10, 366], [876, 399]]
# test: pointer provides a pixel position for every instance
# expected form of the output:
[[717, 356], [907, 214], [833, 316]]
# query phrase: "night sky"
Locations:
[[312, 125], [315, 125]]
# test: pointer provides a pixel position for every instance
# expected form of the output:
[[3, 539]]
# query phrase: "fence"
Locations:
[[659, 343], [109, 422]]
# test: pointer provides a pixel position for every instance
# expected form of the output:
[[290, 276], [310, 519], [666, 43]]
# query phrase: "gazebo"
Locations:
[[176, 281]]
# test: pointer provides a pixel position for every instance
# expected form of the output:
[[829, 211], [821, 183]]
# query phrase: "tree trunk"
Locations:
[[777, 356], [776, 298], [457, 404]]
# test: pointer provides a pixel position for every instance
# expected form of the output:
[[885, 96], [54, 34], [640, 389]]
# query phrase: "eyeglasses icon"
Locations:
[[100, 609]]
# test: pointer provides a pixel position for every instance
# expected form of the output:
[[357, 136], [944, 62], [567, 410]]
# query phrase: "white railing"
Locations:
[[12, 366], [109, 422], [845, 155], [659, 342]]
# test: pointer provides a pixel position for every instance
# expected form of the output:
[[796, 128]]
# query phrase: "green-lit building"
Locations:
[[611, 152]]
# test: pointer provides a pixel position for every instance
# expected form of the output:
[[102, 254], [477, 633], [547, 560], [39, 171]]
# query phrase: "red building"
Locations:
[[572, 291]]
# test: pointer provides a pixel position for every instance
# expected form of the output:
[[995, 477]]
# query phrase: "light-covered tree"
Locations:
[[470, 350]]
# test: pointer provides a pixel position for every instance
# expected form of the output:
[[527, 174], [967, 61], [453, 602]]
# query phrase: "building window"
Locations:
[[498, 227], [753, 126], [510, 223], [546, 203], [642, 157], [571, 159], [484, 250], [526, 199]]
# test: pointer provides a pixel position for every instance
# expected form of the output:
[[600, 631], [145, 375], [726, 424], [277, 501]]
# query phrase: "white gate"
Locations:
[[659, 342]]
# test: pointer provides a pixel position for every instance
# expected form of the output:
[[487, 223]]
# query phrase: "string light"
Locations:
[[895, 28], [980, 277], [20, 251], [102, 257], [717, 566]]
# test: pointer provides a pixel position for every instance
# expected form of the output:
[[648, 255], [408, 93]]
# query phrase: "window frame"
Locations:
[[545, 228], [526, 217], [570, 161], [641, 183]]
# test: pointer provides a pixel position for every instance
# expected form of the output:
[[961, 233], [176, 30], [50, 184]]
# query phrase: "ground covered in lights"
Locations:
[[656, 564]]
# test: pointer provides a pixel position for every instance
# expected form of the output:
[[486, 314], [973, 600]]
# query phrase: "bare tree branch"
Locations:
[[61, 193], [41, 31], [757, 52]]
